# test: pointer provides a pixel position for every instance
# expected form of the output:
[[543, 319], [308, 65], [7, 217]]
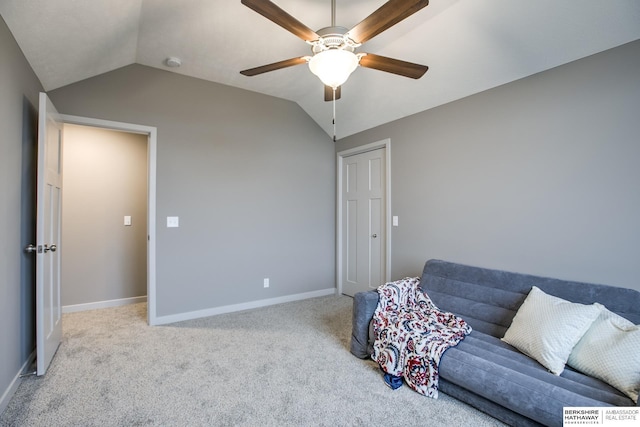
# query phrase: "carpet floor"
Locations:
[[283, 365]]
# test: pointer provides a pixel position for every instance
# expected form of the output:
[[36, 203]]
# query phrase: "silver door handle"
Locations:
[[51, 248], [30, 249], [374, 236]]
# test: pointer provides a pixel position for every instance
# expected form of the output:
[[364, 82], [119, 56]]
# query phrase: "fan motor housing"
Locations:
[[333, 38]]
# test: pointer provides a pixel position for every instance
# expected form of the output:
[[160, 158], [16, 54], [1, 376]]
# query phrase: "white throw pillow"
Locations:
[[546, 328], [610, 351]]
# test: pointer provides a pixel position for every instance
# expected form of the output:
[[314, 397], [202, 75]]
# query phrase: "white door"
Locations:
[[363, 221], [49, 192]]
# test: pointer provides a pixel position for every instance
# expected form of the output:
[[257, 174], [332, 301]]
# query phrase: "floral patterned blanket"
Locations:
[[411, 334]]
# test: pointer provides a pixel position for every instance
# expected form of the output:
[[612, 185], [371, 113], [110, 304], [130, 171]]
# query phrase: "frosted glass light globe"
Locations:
[[333, 66]]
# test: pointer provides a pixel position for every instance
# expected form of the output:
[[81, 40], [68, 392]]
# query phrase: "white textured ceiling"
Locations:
[[469, 46]]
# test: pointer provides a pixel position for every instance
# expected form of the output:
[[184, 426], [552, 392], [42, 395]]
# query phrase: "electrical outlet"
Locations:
[[266, 282]]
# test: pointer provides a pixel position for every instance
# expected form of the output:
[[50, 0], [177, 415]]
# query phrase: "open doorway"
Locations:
[[108, 215], [104, 218]]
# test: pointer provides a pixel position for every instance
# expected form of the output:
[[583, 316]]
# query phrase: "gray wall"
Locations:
[[18, 125], [251, 177], [105, 178], [539, 176]]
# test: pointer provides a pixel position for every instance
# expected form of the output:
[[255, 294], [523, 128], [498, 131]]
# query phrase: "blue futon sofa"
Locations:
[[484, 371]]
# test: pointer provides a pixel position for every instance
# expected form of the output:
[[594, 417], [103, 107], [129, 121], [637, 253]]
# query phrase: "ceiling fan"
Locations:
[[334, 48]]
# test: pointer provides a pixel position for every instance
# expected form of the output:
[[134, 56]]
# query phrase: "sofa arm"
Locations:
[[364, 305]]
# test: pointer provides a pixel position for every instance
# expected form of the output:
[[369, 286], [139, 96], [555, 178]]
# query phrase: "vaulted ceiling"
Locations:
[[469, 46]]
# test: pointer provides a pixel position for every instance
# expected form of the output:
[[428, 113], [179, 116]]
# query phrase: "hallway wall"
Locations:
[[105, 178]]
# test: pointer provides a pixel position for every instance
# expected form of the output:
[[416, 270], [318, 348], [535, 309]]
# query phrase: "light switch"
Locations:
[[395, 221], [173, 221], [127, 220]]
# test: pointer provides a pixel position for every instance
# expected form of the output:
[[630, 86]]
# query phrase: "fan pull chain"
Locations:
[[334, 114], [333, 24]]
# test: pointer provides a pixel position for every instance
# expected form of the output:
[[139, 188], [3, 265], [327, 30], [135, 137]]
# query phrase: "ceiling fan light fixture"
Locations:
[[333, 66]]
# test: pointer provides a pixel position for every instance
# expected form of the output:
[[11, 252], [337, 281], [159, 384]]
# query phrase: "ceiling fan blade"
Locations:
[[275, 66], [388, 15], [278, 16], [395, 66], [328, 93]]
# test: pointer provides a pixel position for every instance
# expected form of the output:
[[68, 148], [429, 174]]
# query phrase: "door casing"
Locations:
[[386, 145]]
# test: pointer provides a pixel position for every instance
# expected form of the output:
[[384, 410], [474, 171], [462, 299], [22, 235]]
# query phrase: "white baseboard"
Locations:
[[163, 320], [10, 391], [103, 304]]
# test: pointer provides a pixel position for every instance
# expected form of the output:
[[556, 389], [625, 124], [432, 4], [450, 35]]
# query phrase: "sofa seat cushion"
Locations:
[[493, 369]]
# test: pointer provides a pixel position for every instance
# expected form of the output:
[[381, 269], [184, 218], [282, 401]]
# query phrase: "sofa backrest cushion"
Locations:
[[488, 299]]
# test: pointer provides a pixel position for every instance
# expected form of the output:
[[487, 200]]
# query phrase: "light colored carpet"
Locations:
[[284, 365]]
